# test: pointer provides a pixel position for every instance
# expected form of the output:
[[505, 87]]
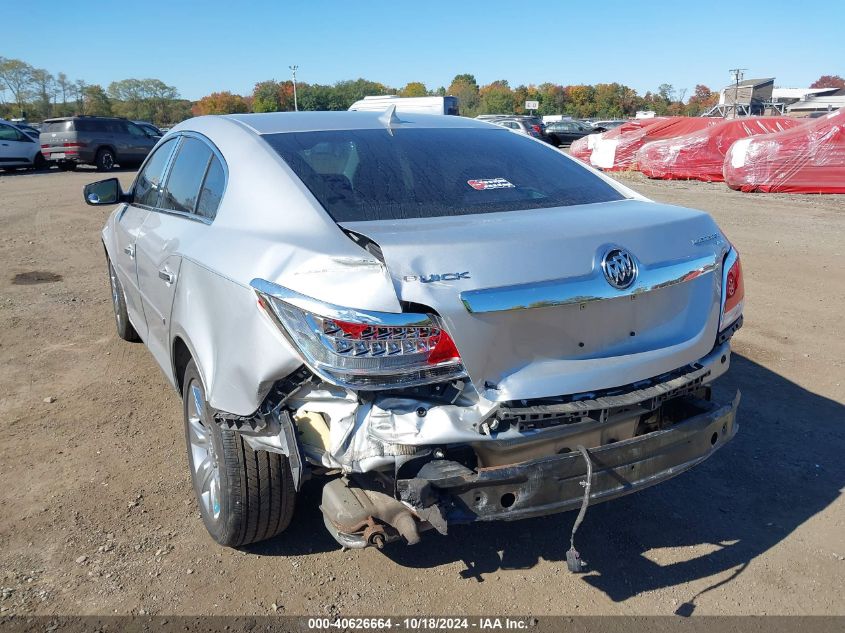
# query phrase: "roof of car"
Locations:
[[278, 122], [83, 116]]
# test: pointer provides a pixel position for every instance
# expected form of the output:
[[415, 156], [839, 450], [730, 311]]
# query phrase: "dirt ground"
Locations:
[[98, 515]]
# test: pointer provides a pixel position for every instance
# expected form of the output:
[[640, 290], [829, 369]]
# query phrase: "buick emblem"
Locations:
[[619, 268]]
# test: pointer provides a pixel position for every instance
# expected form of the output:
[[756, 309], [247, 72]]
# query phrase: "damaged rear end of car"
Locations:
[[554, 345]]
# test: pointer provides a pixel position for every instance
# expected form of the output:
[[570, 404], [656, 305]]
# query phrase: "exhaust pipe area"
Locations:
[[359, 517]]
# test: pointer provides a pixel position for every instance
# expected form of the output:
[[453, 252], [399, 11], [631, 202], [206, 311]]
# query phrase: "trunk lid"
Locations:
[[525, 298]]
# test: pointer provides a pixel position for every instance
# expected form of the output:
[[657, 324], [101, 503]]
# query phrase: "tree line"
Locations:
[[498, 97], [36, 94]]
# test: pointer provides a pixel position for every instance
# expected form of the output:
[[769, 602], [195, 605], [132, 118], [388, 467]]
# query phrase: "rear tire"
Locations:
[[104, 160], [121, 316], [244, 495], [67, 166], [40, 163]]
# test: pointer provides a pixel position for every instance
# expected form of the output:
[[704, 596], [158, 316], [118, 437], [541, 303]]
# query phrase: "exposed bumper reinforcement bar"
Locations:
[[555, 484]]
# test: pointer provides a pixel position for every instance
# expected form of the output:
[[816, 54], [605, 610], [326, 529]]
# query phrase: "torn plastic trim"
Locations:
[[271, 428]]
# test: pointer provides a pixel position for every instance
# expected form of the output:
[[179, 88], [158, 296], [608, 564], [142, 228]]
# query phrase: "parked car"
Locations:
[[29, 130], [18, 149], [526, 126], [148, 127], [608, 124], [101, 141], [464, 324], [562, 133]]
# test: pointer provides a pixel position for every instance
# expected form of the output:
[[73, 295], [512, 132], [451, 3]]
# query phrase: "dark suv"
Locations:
[[92, 140]]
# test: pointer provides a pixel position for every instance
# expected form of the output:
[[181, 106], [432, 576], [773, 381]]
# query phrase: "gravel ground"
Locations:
[[99, 516]]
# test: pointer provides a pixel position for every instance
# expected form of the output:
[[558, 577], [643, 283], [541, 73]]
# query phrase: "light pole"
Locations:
[[293, 70], [738, 74]]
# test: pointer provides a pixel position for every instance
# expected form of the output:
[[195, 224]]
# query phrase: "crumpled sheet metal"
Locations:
[[701, 155], [808, 158], [369, 435]]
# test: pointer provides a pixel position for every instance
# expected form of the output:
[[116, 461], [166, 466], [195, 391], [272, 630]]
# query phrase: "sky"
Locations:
[[211, 45]]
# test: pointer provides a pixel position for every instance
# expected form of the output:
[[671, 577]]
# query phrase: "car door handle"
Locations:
[[166, 276], [129, 250]]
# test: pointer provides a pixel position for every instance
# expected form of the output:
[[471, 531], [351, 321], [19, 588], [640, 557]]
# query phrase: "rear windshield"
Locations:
[[360, 175], [57, 126]]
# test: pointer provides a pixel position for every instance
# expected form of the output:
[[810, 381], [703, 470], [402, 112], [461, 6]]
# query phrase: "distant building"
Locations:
[[817, 100], [749, 97]]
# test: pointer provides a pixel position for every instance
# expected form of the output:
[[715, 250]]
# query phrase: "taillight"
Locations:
[[73, 144], [733, 290], [45, 147], [362, 349], [372, 341], [537, 129]]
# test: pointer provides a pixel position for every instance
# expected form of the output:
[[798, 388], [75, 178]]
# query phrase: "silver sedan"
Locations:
[[464, 324]]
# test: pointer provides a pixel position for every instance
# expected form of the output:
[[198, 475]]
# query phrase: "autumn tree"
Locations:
[[828, 81], [496, 98], [552, 99], [521, 94], [701, 100], [581, 101], [265, 97], [414, 89], [465, 88], [220, 103]]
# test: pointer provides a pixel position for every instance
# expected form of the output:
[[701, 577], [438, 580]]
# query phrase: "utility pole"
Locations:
[[293, 70], [738, 74]]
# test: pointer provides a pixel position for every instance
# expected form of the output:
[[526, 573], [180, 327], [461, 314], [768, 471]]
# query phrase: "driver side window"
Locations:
[[135, 130], [148, 185]]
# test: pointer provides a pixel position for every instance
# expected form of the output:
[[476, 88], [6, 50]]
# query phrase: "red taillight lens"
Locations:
[[733, 292], [45, 147], [537, 129], [444, 350], [74, 144], [360, 340]]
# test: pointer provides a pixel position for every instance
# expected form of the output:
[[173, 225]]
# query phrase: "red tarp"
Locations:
[[809, 158], [700, 155], [614, 154], [583, 147]]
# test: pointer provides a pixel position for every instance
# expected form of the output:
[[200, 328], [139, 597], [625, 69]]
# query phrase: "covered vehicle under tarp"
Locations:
[[808, 158], [700, 155], [583, 147], [615, 154]]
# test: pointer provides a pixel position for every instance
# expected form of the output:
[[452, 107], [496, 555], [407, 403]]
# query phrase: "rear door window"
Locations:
[[212, 189], [186, 176], [8, 133], [148, 183], [379, 174]]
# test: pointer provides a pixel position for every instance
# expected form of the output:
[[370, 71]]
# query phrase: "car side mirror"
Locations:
[[104, 192]]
